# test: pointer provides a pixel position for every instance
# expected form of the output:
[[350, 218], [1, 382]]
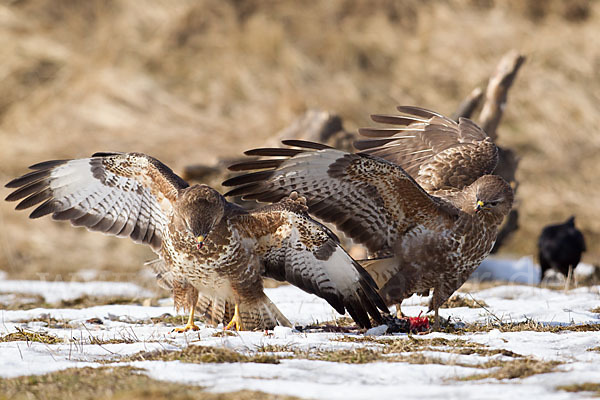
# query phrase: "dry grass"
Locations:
[[412, 345], [531, 326], [519, 368], [195, 81], [463, 301], [117, 383], [27, 302], [593, 387], [202, 354], [49, 322], [411, 350], [22, 335]]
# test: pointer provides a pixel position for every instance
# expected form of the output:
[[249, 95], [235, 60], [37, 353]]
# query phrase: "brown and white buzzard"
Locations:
[[206, 244], [418, 196]]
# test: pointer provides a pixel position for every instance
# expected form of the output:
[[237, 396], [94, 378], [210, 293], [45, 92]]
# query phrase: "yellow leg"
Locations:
[[236, 320], [569, 279], [436, 321], [190, 324], [399, 313]]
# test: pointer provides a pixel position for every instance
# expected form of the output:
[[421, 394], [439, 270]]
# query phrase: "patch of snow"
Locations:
[[584, 270], [281, 332], [522, 270], [313, 378], [54, 291]]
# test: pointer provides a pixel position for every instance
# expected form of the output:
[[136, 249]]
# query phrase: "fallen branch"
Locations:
[[469, 104], [497, 91]]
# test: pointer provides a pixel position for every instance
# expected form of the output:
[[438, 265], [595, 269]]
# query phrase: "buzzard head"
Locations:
[[493, 196], [201, 208]]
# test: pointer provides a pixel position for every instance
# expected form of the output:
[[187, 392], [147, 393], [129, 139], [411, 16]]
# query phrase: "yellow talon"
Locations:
[[190, 326], [236, 320]]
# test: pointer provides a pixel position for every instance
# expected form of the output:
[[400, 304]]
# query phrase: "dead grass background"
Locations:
[[190, 81]]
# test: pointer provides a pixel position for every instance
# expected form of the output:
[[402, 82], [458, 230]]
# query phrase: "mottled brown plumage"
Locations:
[[418, 197], [206, 245]]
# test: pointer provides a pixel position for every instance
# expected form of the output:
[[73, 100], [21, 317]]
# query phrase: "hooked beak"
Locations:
[[200, 241], [479, 205]]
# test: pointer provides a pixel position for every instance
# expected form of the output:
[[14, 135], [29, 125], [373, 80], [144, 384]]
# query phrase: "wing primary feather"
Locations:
[[305, 144], [258, 164], [34, 199], [379, 132], [418, 111], [26, 190], [241, 190], [248, 178], [107, 154], [273, 152], [48, 164], [370, 143], [27, 179], [47, 207], [394, 119]]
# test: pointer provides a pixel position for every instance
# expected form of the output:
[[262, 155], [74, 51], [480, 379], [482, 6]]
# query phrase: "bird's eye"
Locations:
[[494, 203]]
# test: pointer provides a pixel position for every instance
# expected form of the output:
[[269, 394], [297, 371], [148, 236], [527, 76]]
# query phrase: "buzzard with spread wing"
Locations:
[[419, 196], [206, 244]]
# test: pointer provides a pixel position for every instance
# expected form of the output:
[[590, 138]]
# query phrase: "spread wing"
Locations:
[[123, 194], [436, 151], [371, 200], [306, 254]]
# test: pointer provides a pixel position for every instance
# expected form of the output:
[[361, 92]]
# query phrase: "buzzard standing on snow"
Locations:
[[418, 196], [205, 243]]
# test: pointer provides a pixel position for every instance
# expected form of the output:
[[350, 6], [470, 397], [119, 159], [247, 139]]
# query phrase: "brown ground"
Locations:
[[194, 80]]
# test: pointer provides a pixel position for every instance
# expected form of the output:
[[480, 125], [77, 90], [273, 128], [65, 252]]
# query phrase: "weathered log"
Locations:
[[318, 126], [497, 91], [469, 104]]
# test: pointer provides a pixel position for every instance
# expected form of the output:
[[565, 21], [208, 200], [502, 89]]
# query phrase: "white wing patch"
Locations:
[[114, 193]]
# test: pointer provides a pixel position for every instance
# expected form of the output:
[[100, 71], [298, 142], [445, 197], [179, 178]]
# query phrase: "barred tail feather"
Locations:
[[256, 315], [261, 314], [216, 310]]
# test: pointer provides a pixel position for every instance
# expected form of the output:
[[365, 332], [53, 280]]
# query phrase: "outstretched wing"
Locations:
[[123, 194], [297, 249], [371, 200], [436, 151]]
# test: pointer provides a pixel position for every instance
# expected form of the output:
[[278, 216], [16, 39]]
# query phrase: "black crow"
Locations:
[[560, 247]]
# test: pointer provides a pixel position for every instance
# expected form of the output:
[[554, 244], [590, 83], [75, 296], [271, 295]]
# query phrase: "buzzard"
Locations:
[[418, 196], [207, 245], [560, 247]]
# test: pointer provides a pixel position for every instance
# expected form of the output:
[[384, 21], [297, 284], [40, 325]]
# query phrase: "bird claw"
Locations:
[[235, 321], [187, 327]]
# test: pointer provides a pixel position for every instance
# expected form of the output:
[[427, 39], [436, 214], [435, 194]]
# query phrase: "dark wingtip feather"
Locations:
[[370, 287], [48, 164], [26, 190], [34, 199], [248, 178], [47, 207], [273, 152], [240, 190], [305, 144], [421, 112], [358, 314], [257, 164], [391, 119], [106, 154], [28, 178]]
